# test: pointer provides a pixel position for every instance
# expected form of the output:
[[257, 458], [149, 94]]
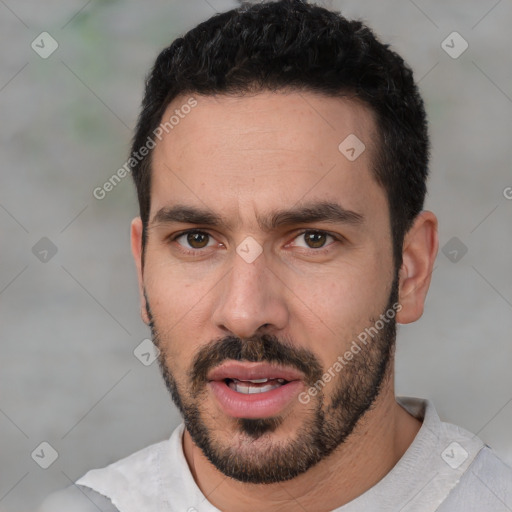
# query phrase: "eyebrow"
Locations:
[[320, 211]]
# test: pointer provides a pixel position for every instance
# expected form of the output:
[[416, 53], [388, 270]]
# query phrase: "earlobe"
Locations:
[[136, 242], [419, 253]]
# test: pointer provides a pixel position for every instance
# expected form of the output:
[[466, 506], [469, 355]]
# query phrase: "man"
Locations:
[[280, 161]]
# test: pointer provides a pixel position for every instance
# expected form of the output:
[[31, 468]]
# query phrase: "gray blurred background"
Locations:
[[70, 320]]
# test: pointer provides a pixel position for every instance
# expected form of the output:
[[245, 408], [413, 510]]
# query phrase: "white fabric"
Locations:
[[158, 478]]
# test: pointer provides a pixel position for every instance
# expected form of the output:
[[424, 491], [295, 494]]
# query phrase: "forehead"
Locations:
[[268, 148]]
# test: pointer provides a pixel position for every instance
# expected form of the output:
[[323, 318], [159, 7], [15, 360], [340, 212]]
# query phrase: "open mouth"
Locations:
[[245, 389], [254, 386]]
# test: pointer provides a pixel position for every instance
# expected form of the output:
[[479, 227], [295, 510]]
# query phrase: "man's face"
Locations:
[[277, 280]]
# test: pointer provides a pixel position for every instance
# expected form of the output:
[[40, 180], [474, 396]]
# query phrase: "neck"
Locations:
[[377, 443]]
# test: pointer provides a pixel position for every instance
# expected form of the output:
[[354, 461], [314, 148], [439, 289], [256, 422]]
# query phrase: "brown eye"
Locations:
[[315, 240], [197, 239]]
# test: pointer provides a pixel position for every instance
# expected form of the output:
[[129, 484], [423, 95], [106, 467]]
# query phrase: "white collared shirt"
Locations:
[[445, 469]]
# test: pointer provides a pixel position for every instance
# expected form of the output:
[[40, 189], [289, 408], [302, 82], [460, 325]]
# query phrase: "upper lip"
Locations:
[[251, 371]]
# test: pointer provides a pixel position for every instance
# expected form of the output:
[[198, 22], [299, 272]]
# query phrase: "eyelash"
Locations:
[[195, 252]]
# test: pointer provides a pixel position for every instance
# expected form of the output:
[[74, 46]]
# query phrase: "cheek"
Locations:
[[346, 292], [331, 309], [175, 288], [177, 306]]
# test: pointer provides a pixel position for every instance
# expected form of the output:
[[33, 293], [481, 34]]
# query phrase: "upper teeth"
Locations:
[[258, 381], [246, 388]]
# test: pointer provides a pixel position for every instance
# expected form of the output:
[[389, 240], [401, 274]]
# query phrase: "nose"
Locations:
[[251, 298]]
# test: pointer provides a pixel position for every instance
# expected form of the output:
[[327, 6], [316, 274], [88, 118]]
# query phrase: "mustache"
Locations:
[[256, 349]]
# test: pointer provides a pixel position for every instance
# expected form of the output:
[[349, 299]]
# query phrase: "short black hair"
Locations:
[[293, 45]]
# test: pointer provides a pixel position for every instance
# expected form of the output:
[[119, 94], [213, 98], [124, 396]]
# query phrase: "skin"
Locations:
[[243, 158]]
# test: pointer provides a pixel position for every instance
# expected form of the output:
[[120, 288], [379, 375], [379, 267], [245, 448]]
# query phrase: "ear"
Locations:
[[419, 252], [136, 237]]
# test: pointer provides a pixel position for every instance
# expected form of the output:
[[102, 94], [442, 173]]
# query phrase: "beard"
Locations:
[[259, 458]]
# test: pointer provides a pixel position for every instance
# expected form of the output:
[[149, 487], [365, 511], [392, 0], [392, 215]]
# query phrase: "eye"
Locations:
[[313, 239], [195, 240]]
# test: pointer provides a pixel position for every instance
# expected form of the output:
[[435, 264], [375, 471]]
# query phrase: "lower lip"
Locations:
[[255, 405]]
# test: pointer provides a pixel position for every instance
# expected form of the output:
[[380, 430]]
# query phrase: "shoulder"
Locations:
[[493, 473], [136, 481], [77, 498], [485, 485]]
